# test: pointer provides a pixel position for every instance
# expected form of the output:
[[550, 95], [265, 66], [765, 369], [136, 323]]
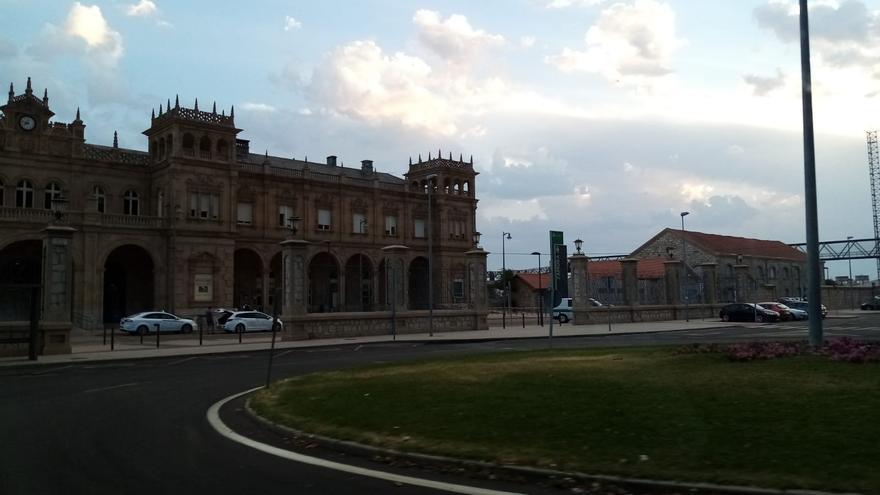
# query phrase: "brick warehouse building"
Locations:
[[198, 222]]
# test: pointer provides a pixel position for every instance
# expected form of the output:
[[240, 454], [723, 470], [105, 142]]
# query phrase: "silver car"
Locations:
[[249, 321], [144, 323]]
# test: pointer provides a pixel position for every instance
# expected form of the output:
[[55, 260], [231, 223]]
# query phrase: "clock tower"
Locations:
[[25, 125]]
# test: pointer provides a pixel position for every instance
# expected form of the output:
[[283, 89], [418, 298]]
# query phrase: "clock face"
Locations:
[[27, 123]]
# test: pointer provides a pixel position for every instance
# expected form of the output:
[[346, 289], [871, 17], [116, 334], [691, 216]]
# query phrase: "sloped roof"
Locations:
[[725, 245], [323, 168], [531, 279], [648, 268]]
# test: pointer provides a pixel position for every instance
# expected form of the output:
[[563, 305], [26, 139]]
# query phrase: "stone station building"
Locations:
[[199, 221]]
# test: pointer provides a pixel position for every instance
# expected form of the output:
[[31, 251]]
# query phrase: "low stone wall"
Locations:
[[843, 297], [341, 325], [635, 314], [54, 338]]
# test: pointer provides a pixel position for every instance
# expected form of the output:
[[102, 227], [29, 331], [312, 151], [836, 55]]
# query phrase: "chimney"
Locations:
[[331, 160], [367, 166]]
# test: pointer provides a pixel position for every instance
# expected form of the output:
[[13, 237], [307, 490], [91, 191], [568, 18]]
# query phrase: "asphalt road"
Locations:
[[139, 426]]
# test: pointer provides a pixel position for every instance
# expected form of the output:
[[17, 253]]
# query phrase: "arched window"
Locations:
[[772, 273], [53, 191], [189, 144], [785, 273], [130, 203], [222, 149], [761, 273], [100, 199], [205, 147], [24, 194]]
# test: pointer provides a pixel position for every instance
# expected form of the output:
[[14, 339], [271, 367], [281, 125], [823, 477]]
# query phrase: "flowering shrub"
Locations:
[[851, 350], [841, 349]]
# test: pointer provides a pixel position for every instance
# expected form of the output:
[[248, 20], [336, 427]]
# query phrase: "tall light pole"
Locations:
[[431, 179], [851, 304], [684, 258], [504, 236], [540, 291], [812, 212]]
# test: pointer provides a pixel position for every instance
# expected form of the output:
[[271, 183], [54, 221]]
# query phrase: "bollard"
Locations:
[[240, 333], [201, 329], [157, 335], [105, 336], [112, 339], [609, 317], [524, 320], [503, 320], [142, 337]]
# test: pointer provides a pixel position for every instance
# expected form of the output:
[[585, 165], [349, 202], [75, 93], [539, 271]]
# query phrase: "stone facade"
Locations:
[[198, 221]]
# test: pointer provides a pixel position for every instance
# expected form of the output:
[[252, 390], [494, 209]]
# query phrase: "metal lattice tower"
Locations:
[[874, 171]]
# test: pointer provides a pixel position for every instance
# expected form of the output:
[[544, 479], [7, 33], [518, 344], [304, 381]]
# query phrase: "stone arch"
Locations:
[[247, 286], [222, 149], [359, 283], [21, 262], [418, 283], [323, 283], [189, 144], [205, 147], [129, 281], [447, 186]]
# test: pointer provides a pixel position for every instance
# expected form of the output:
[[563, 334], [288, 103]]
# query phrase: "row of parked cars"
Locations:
[[785, 309], [227, 320]]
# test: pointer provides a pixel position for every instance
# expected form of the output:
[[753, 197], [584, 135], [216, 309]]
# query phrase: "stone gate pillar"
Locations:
[[672, 270], [57, 289], [630, 282], [580, 297], [710, 282], [294, 278], [476, 283], [396, 273]]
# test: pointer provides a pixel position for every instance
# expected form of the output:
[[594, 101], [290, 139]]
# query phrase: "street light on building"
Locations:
[[540, 291], [504, 236], [684, 266], [577, 245]]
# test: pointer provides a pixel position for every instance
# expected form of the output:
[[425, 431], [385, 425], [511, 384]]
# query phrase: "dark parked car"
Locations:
[[873, 304], [747, 312]]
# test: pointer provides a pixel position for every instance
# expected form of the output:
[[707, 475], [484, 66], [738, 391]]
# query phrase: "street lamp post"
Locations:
[[851, 303], [684, 267], [540, 291], [504, 236]]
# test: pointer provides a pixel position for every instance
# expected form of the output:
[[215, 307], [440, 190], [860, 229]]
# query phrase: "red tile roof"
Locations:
[[726, 245], [649, 268], [531, 279]]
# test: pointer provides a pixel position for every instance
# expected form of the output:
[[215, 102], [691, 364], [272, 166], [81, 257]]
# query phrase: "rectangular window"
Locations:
[[391, 225], [324, 217], [285, 213], [245, 213], [204, 205], [359, 223], [420, 232], [458, 290]]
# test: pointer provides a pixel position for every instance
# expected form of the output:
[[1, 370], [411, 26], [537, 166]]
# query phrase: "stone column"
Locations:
[[57, 289], [580, 294], [630, 281], [710, 287], [397, 277], [476, 285], [673, 288], [294, 278], [743, 291]]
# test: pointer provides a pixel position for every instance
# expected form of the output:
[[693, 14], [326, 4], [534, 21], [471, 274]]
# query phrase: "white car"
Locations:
[[249, 321], [563, 312], [144, 323]]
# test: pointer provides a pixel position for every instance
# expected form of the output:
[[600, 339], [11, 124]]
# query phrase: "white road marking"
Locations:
[[50, 370], [215, 421], [110, 388], [172, 363], [284, 353]]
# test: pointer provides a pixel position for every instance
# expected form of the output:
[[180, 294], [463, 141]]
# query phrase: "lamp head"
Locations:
[[577, 244], [477, 239], [684, 214], [291, 224], [505, 235]]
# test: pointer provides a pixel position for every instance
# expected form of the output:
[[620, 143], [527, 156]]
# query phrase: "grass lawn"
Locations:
[[800, 422]]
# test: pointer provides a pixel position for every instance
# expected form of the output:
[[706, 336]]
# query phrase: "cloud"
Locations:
[[527, 41], [144, 8], [87, 24], [630, 43], [453, 39], [291, 23], [258, 107], [562, 4], [763, 86]]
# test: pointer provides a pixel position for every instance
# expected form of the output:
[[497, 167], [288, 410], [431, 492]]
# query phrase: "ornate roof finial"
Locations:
[[153, 113], [223, 112], [168, 104], [45, 96], [450, 156], [160, 109], [115, 140], [460, 160], [11, 92], [176, 102], [266, 158], [307, 159], [429, 156], [77, 115], [28, 90], [410, 161], [439, 154], [232, 112], [196, 107], [472, 159], [214, 111], [420, 158]]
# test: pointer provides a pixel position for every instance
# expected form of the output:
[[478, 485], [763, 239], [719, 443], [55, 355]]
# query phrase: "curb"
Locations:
[[549, 476]]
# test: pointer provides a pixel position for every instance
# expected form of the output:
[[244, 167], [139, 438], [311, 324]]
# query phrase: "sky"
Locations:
[[602, 119]]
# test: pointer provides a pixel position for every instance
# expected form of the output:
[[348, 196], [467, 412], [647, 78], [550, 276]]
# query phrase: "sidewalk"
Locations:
[[89, 346]]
